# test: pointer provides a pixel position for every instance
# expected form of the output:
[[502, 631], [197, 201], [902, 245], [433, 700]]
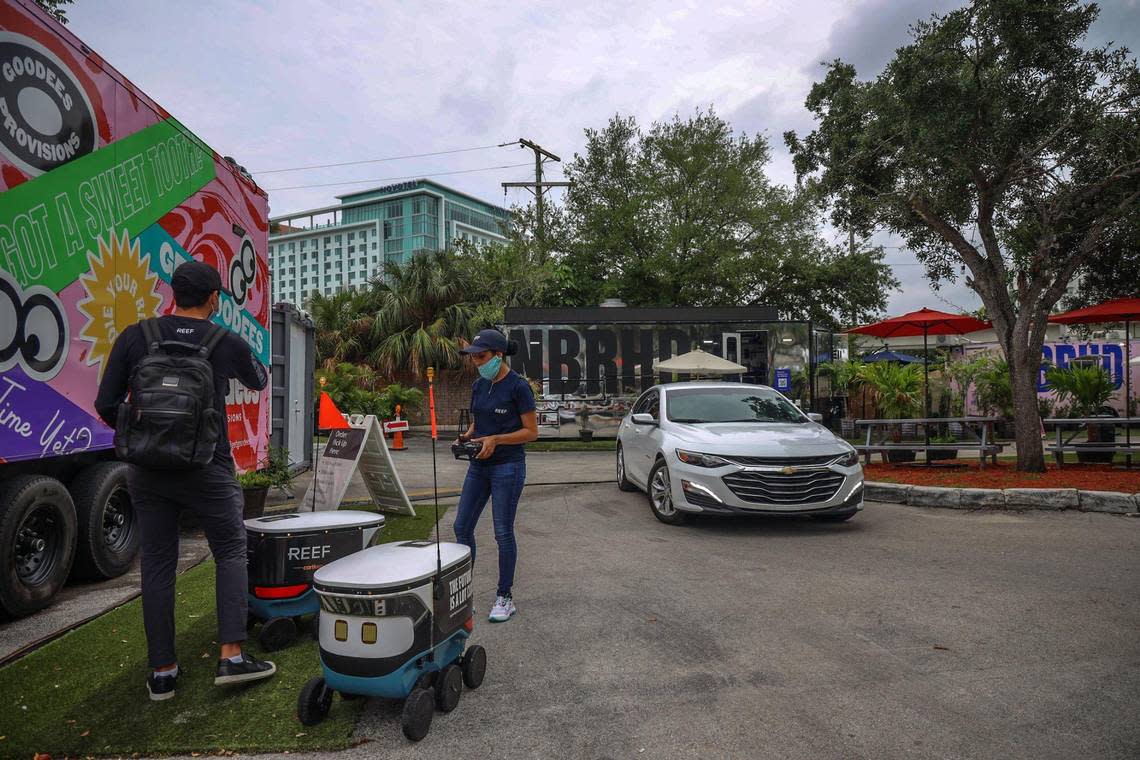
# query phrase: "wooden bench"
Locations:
[[1063, 444], [981, 441]]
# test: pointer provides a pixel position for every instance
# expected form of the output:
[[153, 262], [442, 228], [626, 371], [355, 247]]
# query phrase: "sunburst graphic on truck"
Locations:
[[120, 291]]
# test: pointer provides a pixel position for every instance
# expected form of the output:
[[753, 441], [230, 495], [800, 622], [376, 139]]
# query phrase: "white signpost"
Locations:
[[359, 447]]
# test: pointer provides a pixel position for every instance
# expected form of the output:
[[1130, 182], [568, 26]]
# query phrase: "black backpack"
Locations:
[[169, 421]]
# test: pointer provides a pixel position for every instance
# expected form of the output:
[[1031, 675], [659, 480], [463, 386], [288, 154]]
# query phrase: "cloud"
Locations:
[[283, 83]]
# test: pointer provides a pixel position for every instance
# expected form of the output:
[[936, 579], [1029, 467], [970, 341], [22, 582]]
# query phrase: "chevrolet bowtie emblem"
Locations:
[[789, 470]]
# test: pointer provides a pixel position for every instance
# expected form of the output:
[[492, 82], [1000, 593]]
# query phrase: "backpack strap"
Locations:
[[152, 334], [214, 335]]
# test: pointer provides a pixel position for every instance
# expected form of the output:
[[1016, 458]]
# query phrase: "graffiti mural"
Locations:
[[103, 195]]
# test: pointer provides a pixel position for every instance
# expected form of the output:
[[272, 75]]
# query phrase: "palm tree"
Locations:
[[344, 323], [421, 319]]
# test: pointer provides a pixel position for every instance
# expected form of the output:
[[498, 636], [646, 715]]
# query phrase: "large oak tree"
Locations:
[[1000, 147]]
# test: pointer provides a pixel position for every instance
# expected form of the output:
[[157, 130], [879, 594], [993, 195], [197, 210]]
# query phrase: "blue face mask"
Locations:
[[491, 368]]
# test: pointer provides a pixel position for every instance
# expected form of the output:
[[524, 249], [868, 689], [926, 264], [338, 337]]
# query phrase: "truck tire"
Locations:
[[108, 532], [37, 542]]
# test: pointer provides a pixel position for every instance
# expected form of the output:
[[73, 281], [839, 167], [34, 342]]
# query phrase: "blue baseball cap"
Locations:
[[487, 340]]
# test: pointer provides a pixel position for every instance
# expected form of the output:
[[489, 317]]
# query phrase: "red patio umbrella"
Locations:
[[1117, 310], [924, 322]]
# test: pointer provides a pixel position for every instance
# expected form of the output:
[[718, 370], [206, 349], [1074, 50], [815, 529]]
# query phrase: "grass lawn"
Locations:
[[85, 693], [604, 444]]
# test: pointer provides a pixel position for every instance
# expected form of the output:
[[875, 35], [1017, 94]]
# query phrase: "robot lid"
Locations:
[[307, 522], [388, 565]]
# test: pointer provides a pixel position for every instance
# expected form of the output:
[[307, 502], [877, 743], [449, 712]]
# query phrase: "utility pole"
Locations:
[[538, 187]]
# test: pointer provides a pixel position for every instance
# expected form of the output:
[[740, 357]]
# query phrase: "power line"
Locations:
[[395, 179], [377, 160]]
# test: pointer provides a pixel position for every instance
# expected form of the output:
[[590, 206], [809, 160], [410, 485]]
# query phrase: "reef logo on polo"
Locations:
[[46, 118]]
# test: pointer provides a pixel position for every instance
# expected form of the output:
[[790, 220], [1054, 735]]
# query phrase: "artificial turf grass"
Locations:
[[85, 693]]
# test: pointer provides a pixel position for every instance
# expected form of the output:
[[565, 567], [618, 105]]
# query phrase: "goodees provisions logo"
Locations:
[[46, 118]]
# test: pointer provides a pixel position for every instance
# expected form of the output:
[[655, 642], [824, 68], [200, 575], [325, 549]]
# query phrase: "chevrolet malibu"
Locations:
[[729, 448]]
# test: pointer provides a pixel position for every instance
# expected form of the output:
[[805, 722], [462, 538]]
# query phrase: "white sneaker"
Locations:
[[503, 610]]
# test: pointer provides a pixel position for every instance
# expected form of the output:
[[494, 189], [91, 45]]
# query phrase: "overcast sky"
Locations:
[[280, 84]]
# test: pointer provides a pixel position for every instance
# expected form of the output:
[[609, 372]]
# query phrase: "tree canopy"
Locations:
[[684, 214], [999, 147]]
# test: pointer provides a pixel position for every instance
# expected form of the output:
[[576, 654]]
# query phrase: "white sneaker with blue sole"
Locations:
[[503, 610]]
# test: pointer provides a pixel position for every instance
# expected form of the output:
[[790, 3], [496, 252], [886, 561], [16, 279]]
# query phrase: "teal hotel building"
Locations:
[[343, 246]]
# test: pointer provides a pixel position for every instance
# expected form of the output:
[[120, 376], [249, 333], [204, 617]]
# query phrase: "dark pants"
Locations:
[[215, 497], [502, 484]]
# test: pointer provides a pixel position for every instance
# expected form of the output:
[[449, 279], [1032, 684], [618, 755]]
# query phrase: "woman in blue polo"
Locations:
[[502, 420]]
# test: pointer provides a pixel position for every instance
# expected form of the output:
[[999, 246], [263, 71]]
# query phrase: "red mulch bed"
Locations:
[[1087, 477]]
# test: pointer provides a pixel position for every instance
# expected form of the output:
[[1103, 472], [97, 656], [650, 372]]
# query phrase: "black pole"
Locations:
[[316, 470], [1128, 390], [926, 391]]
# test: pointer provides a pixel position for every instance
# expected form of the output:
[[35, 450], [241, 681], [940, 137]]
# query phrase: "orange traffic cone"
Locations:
[[398, 436]]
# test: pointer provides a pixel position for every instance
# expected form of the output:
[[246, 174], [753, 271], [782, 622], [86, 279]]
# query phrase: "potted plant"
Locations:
[[845, 377], [254, 488], [995, 394], [898, 390], [936, 454], [1086, 389], [255, 485]]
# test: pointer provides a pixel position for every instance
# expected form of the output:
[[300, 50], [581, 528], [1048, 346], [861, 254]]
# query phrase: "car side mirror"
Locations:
[[815, 416], [642, 418]]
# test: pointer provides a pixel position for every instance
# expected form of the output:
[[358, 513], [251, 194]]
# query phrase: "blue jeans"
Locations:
[[502, 484]]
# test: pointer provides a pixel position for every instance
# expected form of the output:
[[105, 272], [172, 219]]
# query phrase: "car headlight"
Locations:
[[850, 459], [697, 459]]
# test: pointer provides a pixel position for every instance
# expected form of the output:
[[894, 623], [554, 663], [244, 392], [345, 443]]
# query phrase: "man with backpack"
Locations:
[[172, 429]]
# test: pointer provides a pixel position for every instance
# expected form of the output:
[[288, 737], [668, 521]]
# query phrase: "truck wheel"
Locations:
[[37, 542], [107, 529]]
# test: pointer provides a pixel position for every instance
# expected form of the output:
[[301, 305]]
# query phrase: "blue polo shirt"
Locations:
[[497, 408]]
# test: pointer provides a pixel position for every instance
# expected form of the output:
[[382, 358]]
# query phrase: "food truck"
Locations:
[[103, 193]]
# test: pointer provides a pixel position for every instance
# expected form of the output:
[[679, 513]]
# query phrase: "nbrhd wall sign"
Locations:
[[581, 350], [588, 355]]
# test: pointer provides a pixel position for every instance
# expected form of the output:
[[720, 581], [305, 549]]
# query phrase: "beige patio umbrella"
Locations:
[[699, 362]]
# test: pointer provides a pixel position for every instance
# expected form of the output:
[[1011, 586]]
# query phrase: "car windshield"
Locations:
[[704, 405]]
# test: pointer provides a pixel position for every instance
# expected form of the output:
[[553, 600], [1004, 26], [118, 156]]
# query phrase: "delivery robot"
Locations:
[[283, 552], [395, 622]]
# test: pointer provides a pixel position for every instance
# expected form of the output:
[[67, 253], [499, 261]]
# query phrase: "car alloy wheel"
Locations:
[[661, 492]]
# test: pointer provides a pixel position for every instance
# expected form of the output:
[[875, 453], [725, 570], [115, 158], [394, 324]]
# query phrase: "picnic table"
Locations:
[[976, 434], [1064, 444]]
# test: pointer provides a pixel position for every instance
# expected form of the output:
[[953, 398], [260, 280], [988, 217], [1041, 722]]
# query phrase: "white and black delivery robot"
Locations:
[[395, 622], [283, 552]]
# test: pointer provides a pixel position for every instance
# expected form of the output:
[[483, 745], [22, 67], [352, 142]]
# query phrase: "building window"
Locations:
[[395, 209]]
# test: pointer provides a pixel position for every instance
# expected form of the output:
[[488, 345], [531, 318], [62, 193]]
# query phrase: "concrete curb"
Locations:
[[1013, 499]]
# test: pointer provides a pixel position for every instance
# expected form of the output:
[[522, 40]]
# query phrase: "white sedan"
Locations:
[[729, 448]]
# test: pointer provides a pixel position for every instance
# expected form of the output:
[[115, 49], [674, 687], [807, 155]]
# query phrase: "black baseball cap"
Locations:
[[196, 278], [487, 340]]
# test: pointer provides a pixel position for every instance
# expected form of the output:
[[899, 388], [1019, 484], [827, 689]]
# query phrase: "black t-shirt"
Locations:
[[497, 408], [231, 358]]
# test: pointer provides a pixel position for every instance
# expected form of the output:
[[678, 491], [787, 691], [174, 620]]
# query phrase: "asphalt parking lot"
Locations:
[[905, 633]]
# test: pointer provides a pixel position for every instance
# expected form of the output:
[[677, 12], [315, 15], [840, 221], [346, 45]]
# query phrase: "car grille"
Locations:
[[782, 461], [777, 488]]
